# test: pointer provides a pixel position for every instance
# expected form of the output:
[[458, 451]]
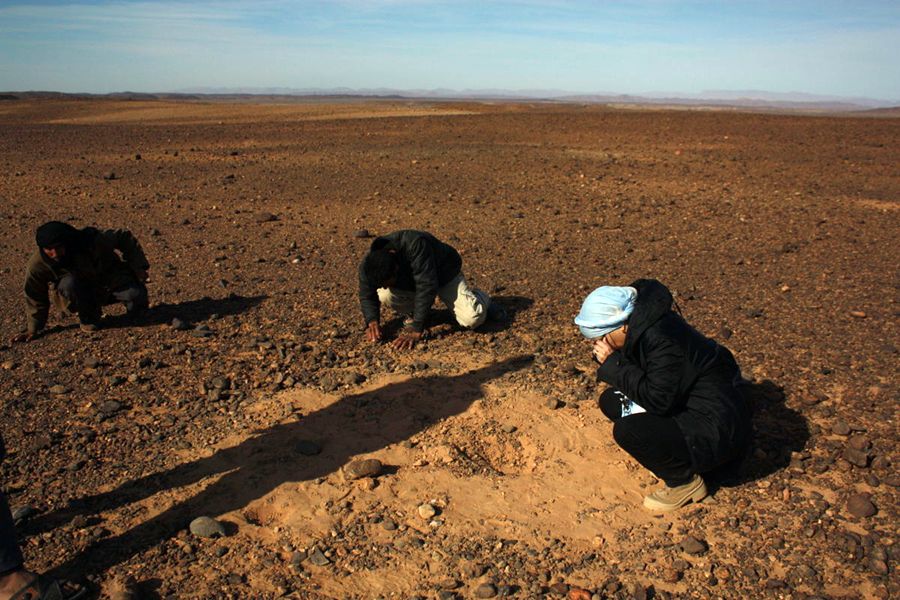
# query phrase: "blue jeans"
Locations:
[[10, 554]]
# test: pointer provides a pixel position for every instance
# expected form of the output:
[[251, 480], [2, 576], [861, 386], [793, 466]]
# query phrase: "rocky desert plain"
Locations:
[[250, 396]]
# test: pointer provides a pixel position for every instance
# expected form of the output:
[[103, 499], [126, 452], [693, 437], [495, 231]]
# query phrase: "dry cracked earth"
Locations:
[[498, 476]]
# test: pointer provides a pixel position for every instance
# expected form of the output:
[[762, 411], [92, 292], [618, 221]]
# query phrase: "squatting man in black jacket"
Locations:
[[673, 398], [82, 270], [405, 270]]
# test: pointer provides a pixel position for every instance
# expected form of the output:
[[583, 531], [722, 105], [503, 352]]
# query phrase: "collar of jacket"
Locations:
[[654, 300]]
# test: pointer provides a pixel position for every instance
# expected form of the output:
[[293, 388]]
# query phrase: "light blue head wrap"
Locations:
[[604, 310]]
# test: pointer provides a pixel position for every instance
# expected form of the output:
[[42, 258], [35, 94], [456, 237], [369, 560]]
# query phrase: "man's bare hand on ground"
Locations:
[[373, 332], [407, 339]]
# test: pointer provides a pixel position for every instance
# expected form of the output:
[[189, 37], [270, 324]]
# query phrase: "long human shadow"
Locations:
[[190, 311], [353, 425], [777, 432]]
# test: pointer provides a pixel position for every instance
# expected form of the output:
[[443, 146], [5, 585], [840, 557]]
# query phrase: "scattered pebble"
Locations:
[[693, 546], [861, 506], [307, 447], [207, 527], [367, 467]]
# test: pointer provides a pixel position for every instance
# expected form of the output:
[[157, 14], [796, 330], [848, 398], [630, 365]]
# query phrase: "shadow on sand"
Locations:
[[191, 311], [353, 425], [777, 432]]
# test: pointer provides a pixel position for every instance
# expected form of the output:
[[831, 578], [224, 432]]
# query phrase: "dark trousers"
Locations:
[[83, 298], [10, 555], [655, 442]]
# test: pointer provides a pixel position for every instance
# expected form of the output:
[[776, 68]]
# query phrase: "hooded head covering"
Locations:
[[605, 310], [55, 233]]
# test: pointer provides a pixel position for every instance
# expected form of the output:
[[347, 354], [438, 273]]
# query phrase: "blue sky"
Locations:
[[828, 47]]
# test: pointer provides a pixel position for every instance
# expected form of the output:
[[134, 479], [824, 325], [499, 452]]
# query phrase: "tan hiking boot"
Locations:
[[672, 498]]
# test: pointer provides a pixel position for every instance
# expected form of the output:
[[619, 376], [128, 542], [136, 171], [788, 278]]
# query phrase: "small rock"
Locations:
[[179, 325], [319, 559], [367, 467], [264, 217], [486, 590], [207, 527], [59, 390], [858, 314], [554, 403], [351, 378], [509, 428], [307, 448], [426, 511], [577, 593], [856, 457], [859, 442], [878, 566], [389, 525], [671, 575], [812, 398], [110, 407], [861, 506], [449, 584], [840, 428], [693, 546], [297, 559], [362, 233], [366, 484]]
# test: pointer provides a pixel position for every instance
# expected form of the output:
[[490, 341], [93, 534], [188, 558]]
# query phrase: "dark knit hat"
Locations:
[[54, 234]]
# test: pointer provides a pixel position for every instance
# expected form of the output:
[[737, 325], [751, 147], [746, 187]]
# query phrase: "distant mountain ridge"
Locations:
[[756, 99], [740, 97]]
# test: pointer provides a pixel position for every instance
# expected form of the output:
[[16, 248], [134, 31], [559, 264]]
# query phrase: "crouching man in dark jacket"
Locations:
[[674, 398], [82, 270], [405, 270]]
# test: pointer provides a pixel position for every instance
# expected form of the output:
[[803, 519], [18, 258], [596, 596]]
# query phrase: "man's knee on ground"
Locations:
[[471, 318], [130, 294], [385, 297]]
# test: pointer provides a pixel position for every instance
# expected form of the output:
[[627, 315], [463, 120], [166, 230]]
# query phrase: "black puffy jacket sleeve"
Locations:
[[657, 387], [368, 298], [424, 271]]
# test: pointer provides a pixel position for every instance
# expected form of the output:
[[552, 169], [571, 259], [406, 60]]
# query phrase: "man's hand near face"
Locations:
[[601, 350]]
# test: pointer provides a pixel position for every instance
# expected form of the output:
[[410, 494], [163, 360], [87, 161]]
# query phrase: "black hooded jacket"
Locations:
[[106, 259], [670, 369], [426, 264]]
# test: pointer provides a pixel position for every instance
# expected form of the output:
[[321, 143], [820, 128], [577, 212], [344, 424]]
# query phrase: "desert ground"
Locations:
[[777, 233]]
